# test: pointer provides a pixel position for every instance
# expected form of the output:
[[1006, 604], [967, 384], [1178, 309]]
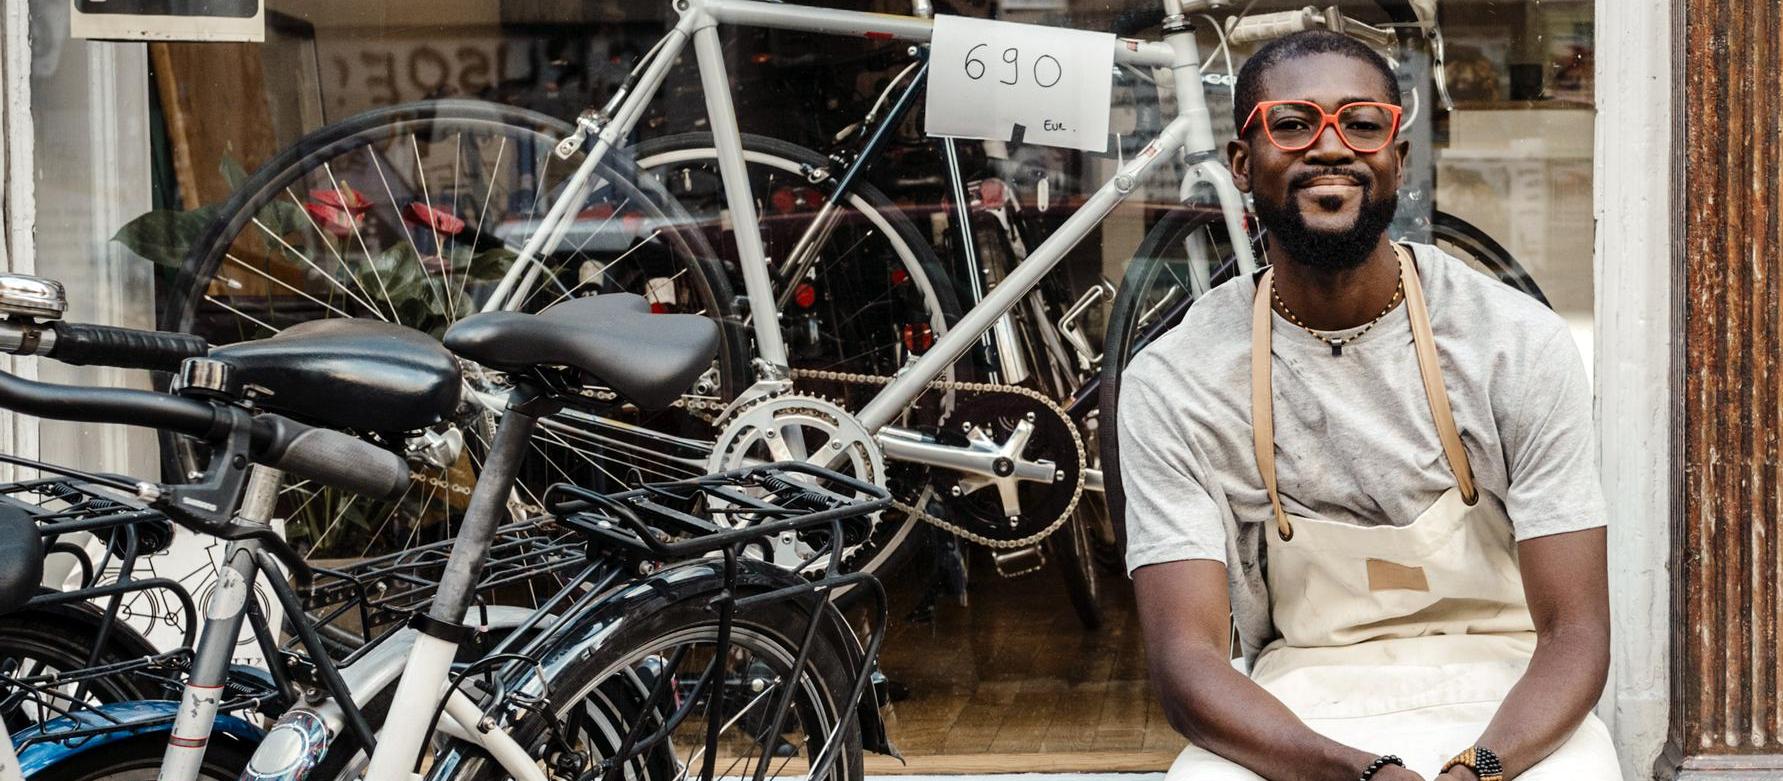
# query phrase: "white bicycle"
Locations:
[[424, 213]]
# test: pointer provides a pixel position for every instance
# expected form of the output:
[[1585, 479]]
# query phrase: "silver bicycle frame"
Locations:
[[1190, 131]]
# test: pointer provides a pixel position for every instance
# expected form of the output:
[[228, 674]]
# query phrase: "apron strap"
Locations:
[[1431, 370], [1424, 342], [1262, 401]]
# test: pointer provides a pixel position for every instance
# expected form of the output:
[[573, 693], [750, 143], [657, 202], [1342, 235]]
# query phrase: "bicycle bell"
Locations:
[[29, 297]]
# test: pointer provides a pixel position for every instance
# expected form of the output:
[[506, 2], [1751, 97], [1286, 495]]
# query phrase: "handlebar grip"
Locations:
[[331, 458], [82, 344], [1266, 27]]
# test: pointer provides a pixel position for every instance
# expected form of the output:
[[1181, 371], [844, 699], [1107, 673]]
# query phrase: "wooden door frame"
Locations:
[[1727, 564]]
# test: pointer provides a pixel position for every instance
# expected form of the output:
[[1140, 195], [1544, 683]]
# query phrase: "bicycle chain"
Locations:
[[700, 405], [975, 387]]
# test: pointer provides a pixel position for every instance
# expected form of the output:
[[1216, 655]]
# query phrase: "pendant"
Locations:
[[1336, 347]]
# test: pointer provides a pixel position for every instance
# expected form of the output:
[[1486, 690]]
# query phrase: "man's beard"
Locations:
[[1328, 250]]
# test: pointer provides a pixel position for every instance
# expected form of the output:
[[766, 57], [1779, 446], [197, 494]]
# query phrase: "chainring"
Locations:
[[1029, 510], [796, 427]]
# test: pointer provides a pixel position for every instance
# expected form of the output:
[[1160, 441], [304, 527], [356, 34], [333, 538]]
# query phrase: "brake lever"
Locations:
[[208, 505]]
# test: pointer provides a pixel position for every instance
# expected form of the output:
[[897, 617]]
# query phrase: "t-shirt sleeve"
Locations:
[[1170, 515], [1552, 456]]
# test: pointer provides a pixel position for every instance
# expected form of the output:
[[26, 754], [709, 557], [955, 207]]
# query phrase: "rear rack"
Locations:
[[355, 606], [55, 705], [669, 521]]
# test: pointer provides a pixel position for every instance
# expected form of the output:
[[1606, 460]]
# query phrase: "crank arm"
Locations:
[[906, 445]]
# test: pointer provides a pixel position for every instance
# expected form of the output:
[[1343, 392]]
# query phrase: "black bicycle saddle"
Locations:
[[648, 359], [366, 375]]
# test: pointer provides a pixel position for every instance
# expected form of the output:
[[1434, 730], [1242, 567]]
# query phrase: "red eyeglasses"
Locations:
[[1294, 125]]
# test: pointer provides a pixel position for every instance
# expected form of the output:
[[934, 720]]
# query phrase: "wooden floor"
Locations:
[[1012, 682]]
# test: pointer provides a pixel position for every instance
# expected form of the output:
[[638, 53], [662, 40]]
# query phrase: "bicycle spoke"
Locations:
[[432, 224], [287, 286], [241, 314], [400, 227], [353, 221], [477, 234], [318, 269]]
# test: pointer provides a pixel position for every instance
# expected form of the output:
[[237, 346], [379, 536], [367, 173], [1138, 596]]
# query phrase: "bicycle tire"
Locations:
[[1076, 560], [601, 677], [1462, 239], [1124, 339], [886, 551], [309, 275], [39, 641]]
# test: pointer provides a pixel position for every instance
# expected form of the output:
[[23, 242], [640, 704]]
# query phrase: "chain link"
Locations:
[[976, 387]]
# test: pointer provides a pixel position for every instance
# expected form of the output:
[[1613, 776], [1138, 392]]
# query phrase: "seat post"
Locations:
[[488, 500]]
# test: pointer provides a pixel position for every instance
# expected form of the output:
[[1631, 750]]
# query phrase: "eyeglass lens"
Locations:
[[1364, 127]]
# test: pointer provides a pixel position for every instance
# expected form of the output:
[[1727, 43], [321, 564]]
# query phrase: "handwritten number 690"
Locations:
[[1046, 69]]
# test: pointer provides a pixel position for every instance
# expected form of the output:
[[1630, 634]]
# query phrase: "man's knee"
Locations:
[[1199, 764]]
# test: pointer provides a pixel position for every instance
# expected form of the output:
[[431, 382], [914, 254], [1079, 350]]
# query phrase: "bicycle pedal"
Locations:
[[1018, 561]]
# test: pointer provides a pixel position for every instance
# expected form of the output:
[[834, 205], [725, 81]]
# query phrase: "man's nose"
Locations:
[[1329, 148]]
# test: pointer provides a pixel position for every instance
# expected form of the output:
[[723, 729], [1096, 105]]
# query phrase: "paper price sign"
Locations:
[[987, 79]]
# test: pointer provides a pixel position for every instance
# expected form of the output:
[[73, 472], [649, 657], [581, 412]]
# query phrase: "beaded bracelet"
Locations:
[[1375, 766]]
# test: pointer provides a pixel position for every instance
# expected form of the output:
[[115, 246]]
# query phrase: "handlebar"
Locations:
[[327, 457], [82, 344], [1264, 27]]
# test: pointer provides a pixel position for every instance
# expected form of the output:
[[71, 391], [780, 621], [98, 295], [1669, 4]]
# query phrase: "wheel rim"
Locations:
[[605, 707]]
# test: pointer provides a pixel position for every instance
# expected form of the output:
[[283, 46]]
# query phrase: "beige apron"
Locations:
[[1400, 640]]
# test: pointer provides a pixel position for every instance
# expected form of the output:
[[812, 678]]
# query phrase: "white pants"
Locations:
[[1426, 738]]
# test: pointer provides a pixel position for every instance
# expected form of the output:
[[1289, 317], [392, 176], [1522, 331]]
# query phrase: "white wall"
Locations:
[[86, 161], [1633, 361]]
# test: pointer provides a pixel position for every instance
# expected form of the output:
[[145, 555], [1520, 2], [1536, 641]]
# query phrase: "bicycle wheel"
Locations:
[[37, 644], [874, 298], [414, 214], [1075, 556], [597, 701], [1184, 252], [1460, 238]]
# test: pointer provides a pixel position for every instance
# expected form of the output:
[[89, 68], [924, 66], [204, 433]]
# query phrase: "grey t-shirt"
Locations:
[[1355, 442]]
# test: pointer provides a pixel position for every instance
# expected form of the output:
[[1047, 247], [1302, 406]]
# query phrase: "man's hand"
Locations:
[[1458, 774]]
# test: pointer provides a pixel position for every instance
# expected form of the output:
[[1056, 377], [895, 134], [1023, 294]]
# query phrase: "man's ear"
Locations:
[[1238, 158], [1402, 149]]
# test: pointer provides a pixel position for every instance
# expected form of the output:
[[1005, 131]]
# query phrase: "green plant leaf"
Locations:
[[165, 236]]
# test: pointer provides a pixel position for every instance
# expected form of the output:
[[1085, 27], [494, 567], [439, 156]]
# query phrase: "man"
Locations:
[[1390, 484]]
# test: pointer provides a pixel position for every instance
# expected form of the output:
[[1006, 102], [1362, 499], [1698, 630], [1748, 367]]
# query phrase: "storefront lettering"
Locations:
[[384, 77]]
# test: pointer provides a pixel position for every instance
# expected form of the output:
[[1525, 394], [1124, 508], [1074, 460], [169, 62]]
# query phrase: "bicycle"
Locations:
[[639, 565], [605, 227], [64, 716]]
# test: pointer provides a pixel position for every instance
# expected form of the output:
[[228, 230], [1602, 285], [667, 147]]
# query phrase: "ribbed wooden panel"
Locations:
[[1727, 695]]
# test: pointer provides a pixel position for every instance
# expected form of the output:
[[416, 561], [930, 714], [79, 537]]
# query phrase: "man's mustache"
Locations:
[[1305, 178]]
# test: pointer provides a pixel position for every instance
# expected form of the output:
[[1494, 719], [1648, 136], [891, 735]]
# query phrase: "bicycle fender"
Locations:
[[39, 757], [574, 637]]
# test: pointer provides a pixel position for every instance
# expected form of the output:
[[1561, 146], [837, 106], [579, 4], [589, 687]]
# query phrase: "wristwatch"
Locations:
[[1481, 761]]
